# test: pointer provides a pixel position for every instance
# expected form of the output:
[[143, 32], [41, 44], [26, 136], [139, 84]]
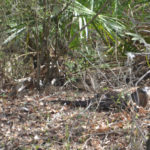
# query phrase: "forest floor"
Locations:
[[33, 122]]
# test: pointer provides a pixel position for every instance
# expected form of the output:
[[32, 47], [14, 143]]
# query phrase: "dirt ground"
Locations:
[[33, 122]]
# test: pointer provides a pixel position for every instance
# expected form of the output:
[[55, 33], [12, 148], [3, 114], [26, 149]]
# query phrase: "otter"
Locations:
[[141, 96]]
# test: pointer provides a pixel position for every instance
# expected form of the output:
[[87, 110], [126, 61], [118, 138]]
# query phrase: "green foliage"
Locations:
[[68, 147], [84, 59], [76, 26]]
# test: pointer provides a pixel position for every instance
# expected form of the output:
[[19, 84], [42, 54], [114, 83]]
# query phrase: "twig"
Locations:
[[142, 77]]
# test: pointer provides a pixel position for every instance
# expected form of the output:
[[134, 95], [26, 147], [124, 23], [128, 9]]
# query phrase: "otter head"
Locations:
[[141, 96]]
